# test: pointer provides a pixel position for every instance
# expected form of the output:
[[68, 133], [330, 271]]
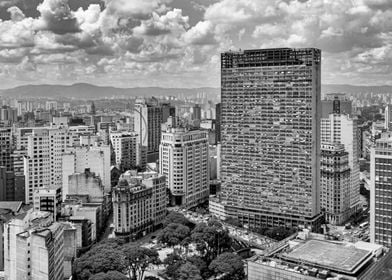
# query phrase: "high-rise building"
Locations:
[[388, 117], [8, 115], [335, 183], [380, 192], [270, 136], [34, 247], [6, 147], [149, 115], [43, 160], [218, 123], [95, 158], [184, 160], [196, 112], [127, 149], [340, 128], [337, 103], [139, 203]]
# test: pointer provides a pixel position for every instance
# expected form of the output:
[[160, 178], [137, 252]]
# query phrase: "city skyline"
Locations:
[[178, 43]]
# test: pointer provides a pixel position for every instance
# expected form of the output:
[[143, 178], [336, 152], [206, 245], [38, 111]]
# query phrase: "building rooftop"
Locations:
[[14, 206], [330, 255]]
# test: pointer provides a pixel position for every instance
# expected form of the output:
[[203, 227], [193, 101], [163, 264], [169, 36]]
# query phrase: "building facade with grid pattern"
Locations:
[[270, 135]]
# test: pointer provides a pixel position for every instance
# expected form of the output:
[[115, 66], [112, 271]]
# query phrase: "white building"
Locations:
[[127, 149], [43, 160], [343, 129], [34, 247], [78, 159], [184, 160]]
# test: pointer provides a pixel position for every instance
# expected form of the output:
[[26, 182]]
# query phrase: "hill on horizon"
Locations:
[[89, 91]]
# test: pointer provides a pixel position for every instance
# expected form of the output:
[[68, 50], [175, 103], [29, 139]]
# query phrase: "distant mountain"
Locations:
[[330, 88], [88, 91]]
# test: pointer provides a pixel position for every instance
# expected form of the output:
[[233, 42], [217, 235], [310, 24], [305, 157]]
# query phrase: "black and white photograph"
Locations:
[[195, 139]]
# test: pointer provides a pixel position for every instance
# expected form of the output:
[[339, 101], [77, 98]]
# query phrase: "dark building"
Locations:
[[196, 112], [218, 122]]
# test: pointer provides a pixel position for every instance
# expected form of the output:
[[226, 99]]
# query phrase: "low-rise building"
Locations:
[[310, 256]]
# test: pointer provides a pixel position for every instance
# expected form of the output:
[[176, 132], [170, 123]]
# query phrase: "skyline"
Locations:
[[178, 43]]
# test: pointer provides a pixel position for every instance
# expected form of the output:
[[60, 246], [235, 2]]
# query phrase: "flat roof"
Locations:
[[326, 254]]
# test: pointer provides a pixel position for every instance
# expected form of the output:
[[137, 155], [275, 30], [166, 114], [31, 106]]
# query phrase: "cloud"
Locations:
[[117, 39], [56, 16], [201, 34]]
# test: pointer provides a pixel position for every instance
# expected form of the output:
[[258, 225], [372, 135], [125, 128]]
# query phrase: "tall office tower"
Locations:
[[139, 203], [184, 160], [8, 115], [78, 159], [270, 136], [337, 127], [335, 183], [380, 192], [196, 112], [126, 147], [337, 103], [6, 147], [388, 117], [218, 123], [149, 115], [43, 160]]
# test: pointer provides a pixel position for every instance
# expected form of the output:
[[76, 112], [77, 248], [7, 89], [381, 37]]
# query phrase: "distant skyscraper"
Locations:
[[337, 127], [196, 112], [335, 183], [388, 117], [337, 103], [184, 160], [380, 192], [149, 115], [270, 114]]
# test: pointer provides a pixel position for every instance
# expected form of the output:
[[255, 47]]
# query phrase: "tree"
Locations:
[[201, 265], [176, 218], [110, 275], [173, 234], [101, 258], [211, 239], [230, 265], [151, 278], [138, 259], [173, 262], [188, 271]]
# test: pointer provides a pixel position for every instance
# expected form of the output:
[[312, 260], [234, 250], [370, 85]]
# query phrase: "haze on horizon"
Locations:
[[177, 43]]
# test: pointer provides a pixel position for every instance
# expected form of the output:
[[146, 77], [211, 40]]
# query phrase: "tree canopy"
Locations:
[[177, 218], [229, 264], [110, 275], [211, 239], [188, 271], [101, 258], [173, 234], [138, 259]]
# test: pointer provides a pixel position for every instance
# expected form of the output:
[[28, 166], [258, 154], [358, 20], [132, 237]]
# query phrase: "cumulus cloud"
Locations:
[[123, 38]]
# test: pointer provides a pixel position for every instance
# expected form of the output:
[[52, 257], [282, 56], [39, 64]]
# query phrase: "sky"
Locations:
[[177, 43]]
